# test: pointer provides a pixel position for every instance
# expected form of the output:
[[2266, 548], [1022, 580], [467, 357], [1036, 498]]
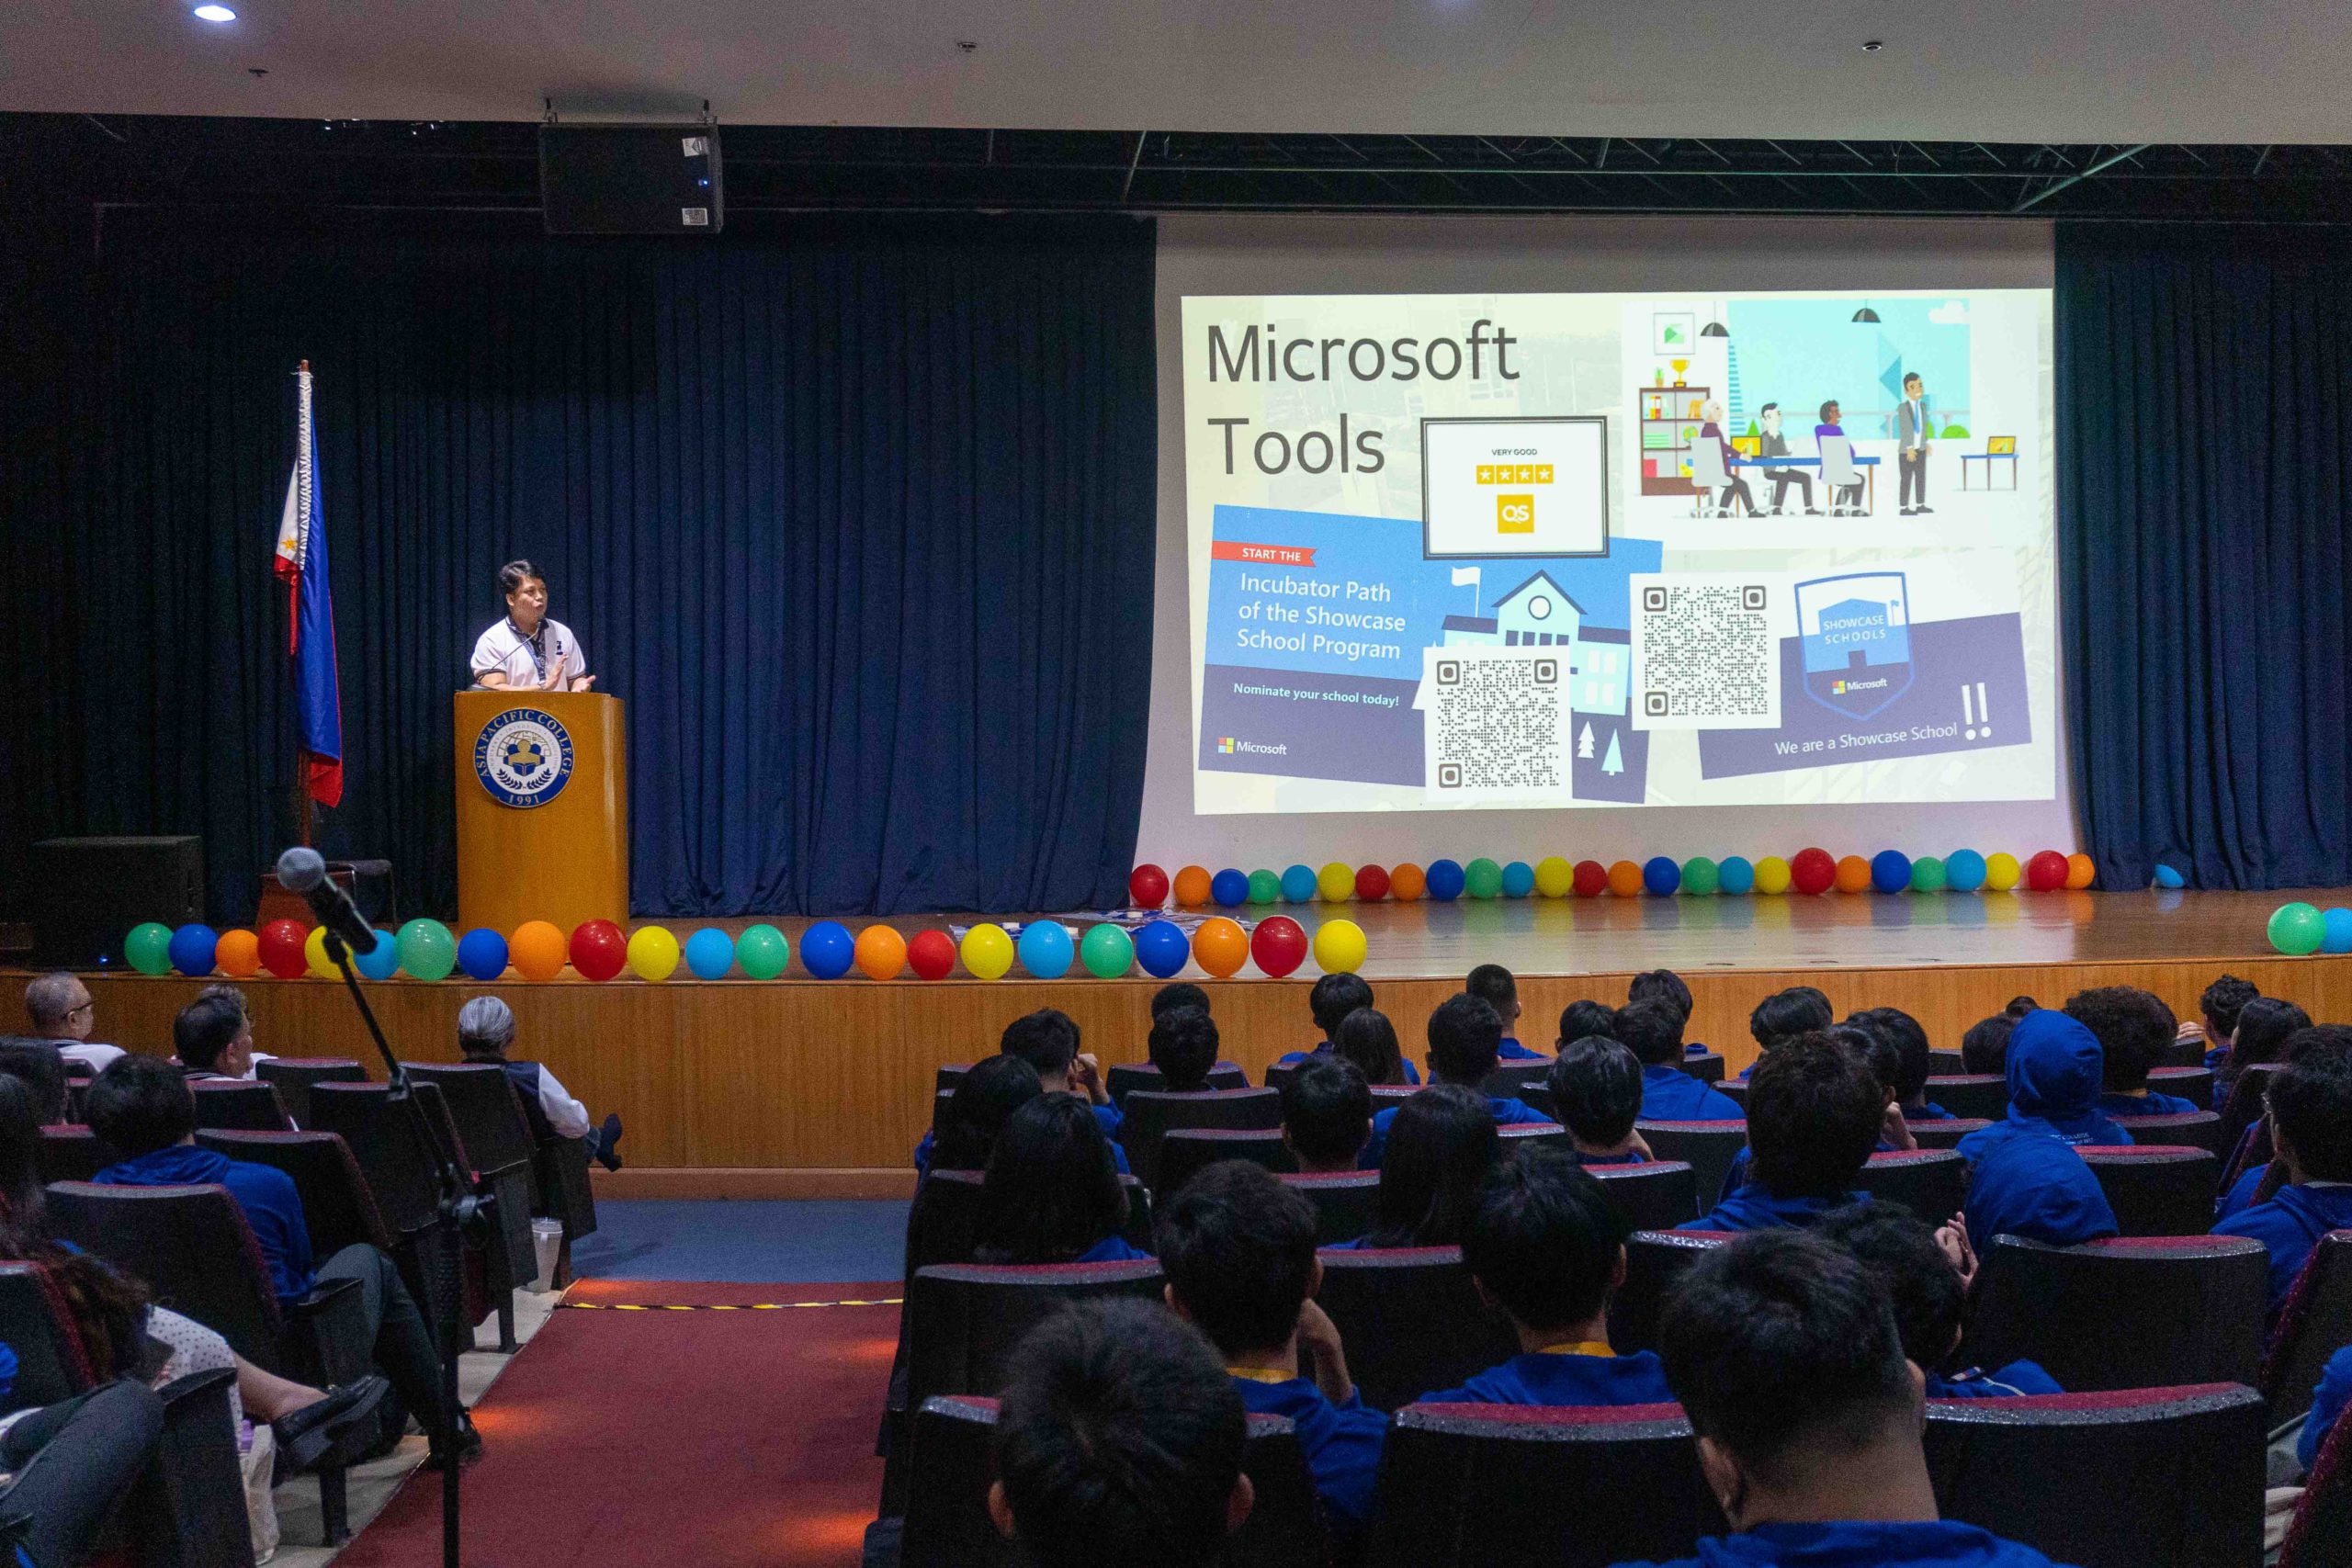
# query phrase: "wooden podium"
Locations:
[[542, 781]]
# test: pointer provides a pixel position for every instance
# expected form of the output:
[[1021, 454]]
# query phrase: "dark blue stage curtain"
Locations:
[[2204, 388], [856, 516]]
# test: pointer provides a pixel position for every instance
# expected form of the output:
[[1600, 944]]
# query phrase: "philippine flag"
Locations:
[[302, 566]]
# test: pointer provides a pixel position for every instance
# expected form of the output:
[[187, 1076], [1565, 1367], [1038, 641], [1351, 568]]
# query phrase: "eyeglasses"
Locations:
[[86, 1007]]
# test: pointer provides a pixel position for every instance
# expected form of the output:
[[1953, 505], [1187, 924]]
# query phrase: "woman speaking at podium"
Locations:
[[528, 651]]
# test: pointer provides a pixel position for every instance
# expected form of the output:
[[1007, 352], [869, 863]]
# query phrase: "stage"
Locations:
[[801, 1088]]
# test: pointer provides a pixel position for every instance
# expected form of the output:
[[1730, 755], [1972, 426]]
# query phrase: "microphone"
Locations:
[[303, 870]]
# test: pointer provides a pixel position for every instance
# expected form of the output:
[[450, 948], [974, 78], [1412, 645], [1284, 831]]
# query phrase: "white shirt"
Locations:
[[565, 1114], [502, 650], [90, 1053]]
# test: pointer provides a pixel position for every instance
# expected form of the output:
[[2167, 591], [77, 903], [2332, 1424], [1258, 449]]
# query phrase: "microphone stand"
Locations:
[[457, 1214]]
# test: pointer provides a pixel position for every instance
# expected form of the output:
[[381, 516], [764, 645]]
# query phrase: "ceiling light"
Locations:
[[1866, 314], [1715, 329], [1873, 45], [213, 14]]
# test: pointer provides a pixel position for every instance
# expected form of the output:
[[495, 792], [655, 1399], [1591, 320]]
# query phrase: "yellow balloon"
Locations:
[[2001, 872], [1337, 883], [1338, 947], [1554, 878], [314, 952], [652, 953], [1772, 874], [987, 952]]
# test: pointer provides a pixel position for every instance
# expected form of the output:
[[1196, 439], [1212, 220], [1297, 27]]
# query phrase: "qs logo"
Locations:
[[1515, 514]]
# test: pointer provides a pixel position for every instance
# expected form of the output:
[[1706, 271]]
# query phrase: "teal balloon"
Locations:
[[1964, 871], [1481, 878], [2335, 932], [481, 953], [2169, 877], [762, 953], [428, 950], [1701, 876], [148, 947], [1046, 950], [710, 954], [1298, 884], [1736, 876], [1264, 887], [2297, 928], [1928, 875], [1106, 951], [192, 948], [380, 962], [1519, 879]]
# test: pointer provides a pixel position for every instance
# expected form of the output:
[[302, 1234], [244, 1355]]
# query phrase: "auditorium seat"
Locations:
[[1388, 1095], [1735, 1090], [292, 1077], [1655, 1196], [1531, 1486], [71, 1154], [2244, 1107], [1707, 1147], [2320, 1534], [1947, 1063], [963, 1319], [1535, 1135], [2315, 1322], [2191, 1129], [1279, 1074], [1344, 1203], [944, 1221], [1412, 1321], [938, 1106], [1931, 1183], [2144, 1311], [949, 1074], [1127, 1077], [1707, 1066], [500, 1149], [398, 1169], [2157, 1188], [2193, 1084], [562, 1191], [1150, 1114], [1515, 1079], [1653, 1260], [1946, 1135], [1972, 1094], [2142, 1478], [336, 1204], [1186, 1150], [230, 1103]]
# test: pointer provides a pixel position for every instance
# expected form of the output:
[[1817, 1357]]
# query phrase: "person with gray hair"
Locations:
[[62, 1012], [485, 1029]]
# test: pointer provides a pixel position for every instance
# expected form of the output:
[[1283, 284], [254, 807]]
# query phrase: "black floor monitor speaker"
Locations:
[[630, 179], [88, 893]]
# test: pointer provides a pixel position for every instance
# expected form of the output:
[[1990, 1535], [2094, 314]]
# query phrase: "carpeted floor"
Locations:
[[743, 1240], [657, 1437]]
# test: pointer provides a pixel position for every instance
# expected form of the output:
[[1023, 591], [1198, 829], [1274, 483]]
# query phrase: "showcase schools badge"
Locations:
[[523, 756]]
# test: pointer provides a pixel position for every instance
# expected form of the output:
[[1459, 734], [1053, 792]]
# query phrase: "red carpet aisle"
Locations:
[[653, 1438]]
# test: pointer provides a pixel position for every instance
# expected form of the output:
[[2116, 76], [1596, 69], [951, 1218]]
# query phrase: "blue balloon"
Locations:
[[2335, 931], [1735, 876], [1963, 871], [1163, 948], [2169, 877], [192, 948], [1228, 887], [1444, 881], [1890, 871], [481, 953], [1298, 884], [710, 954], [380, 962], [1661, 875], [1046, 950], [1519, 879], [826, 949]]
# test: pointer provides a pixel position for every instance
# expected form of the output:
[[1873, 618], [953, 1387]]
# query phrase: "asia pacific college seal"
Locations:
[[523, 756]]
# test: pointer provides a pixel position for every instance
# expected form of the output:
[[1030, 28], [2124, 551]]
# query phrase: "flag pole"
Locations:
[[302, 757]]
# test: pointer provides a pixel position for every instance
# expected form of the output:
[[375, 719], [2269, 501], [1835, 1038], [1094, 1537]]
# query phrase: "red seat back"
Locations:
[[336, 1204], [71, 1153], [52, 1363], [2193, 1084], [2157, 1188], [233, 1103], [1946, 1135], [2189, 1129], [2320, 1536], [1412, 1321], [1184, 1151], [1151, 1114], [2144, 1311], [2315, 1322], [292, 1077], [1127, 1077], [192, 1246]]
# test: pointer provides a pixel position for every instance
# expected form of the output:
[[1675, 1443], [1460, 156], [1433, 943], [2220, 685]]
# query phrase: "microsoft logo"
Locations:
[[1224, 744], [1838, 689]]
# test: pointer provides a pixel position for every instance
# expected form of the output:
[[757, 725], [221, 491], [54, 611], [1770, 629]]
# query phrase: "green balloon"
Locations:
[[1481, 878], [761, 952], [427, 949], [1701, 876], [1926, 874], [1265, 887], [148, 947], [2297, 928], [1107, 951]]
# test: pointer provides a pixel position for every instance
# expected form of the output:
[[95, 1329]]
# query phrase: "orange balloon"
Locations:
[[538, 950], [239, 954], [1624, 879], [1220, 947], [881, 953], [1406, 882], [1192, 888], [2080, 872], [1853, 874]]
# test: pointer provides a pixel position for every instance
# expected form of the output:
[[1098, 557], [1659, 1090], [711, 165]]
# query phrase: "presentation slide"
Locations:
[[1531, 550]]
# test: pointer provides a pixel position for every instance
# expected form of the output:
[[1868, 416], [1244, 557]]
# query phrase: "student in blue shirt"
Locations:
[[1926, 1274], [1666, 986], [2328, 1402], [1914, 1059], [1782, 1016], [975, 1114], [1369, 1040], [1463, 1034], [1331, 1000], [1652, 1031], [1051, 1194], [1327, 1115], [1183, 1046], [2221, 1006], [1785, 1355], [1582, 1018], [1048, 1041], [1441, 1145], [1984, 1049], [2024, 1177], [1239, 1250], [1597, 1092], [1813, 1113], [2265, 1025], [1876, 1048], [1496, 985], [2134, 1029], [1547, 1247], [2311, 1126]]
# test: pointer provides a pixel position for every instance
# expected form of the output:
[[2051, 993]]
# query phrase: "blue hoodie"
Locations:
[[1942, 1544], [2024, 1176], [2289, 1226]]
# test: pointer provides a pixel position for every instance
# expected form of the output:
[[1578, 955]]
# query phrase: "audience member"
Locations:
[[1183, 1046], [2329, 1399], [1052, 1193], [2221, 1005], [1498, 988], [63, 1467], [1463, 1034], [1984, 1049], [1926, 1274], [2134, 1029], [1369, 1040], [1119, 1439], [1331, 1000], [236, 996], [37, 1065], [1177, 994], [1652, 1031], [2024, 1176], [485, 1029], [1814, 1110], [1874, 1044], [2310, 1110], [1666, 986], [1785, 1015], [1596, 1087], [1915, 1060], [212, 1039], [62, 1011], [985, 1096], [1547, 1246], [2270, 1032], [1326, 1114], [1047, 1040], [2020, 1005], [2265, 1025], [1441, 1143], [1582, 1018]]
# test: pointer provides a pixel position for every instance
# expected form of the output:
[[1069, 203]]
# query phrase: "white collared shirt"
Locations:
[[502, 650], [90, 1053]]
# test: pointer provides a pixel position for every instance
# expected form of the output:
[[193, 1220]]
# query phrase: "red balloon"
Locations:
[[1372, 884], [930, 955], [281, 949], [1813, 870], [1591, 879], [1278, 944], [599, 950], [2046, 872], [1147, 887]]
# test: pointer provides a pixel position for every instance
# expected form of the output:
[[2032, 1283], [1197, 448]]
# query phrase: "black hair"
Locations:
[[1778, 1343], [1586, 1017], [987, 1094], [2020, 1005], [2134, 1029], [1051, 1191], [1661, 985], [1177, 994], [1369, 1040], [1046, 1040], [1118, 1439], [2318, 1037], [1915, 1055], [1441, 1145], [1336, 996], [1768, 407], [1544, 1239], [2311, 1108], [204, 1029], [37, 1064], [1825, 408], [1183, 1047], [2265, 1024], [1466, 1039], [108, 1309], [1986, 1047], [1494, 985], [1875, 1047], [2223, 1003], [1652, 1031], [1911, 376], [1785, 1015], [1327, 1110], [1920, 1283], [1596, 1087], [141, 1104], [1238, 1247], [514, 574], [1813, 1111]]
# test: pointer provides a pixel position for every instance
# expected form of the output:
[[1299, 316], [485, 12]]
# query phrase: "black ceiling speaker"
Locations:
[[630, 179]]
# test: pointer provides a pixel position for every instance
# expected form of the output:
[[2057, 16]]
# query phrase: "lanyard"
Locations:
[[536, 643], [1581, 1348]]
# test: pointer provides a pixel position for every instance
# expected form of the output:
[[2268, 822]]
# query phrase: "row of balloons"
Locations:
[[1808, 871], [2299, 928], [599, 950]]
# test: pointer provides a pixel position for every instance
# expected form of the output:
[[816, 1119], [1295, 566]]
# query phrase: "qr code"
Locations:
[[1497, 722], [1704, 656]]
